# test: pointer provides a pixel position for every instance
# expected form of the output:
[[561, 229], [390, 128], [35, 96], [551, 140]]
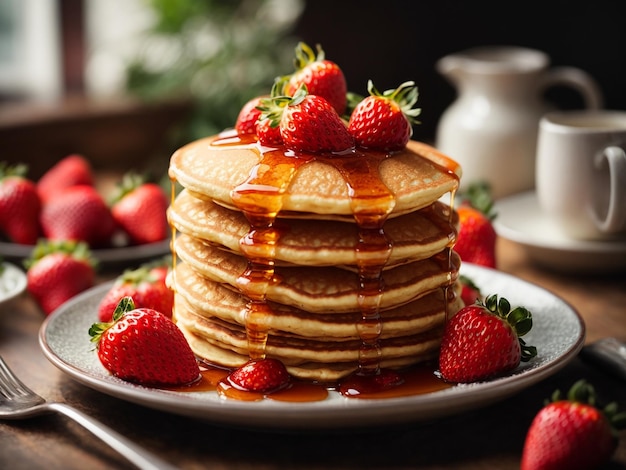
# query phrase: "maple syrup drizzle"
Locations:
[[260, 198]]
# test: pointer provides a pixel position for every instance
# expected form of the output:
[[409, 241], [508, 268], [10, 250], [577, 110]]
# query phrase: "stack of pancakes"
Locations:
[[327, 263]]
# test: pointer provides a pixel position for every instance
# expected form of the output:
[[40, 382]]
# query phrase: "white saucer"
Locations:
[[520, 219]]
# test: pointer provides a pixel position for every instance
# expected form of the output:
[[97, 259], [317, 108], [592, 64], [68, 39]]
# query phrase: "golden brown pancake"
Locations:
[[414, 236], [416, 176], [321, 289], [211, 299]]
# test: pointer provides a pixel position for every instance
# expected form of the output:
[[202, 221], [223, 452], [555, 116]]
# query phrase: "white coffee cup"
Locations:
[[580, 172]]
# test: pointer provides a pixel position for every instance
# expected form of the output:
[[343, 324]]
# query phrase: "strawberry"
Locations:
[[19, 205], [78, 213], [308, 123], [470, 293], [572, 433], [145, 286], [260, 375], [71, 170], [483, 340], [139, 208], [268, 135], [322, 77], [476, 240], [248, 116], [57, 271], [144, 346], [382, 121]]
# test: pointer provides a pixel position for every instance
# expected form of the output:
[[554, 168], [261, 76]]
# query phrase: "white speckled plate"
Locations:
[[12, 282], [558, 334]]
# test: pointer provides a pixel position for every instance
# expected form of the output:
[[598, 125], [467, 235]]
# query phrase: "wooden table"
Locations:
[[487, 438]]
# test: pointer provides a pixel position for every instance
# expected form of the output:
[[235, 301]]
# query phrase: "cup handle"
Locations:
[[615, 219], [580, 81]]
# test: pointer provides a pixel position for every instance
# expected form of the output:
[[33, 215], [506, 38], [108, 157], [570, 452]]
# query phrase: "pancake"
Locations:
[[414, 236], [227, 344], [214, 300], [321, 289], [212, 167]]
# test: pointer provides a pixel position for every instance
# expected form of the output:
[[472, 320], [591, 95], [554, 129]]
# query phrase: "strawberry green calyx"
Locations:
[[77, 249], [130, 181], [520, 319], [7, 170], [272, 108], [305, 55], [126, 304], [405, 96], [583, 392]]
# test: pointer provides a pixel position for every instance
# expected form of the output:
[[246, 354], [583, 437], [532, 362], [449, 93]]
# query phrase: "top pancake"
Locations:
[[415, 177]]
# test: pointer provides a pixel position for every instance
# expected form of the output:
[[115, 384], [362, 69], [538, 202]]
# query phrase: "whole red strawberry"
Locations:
[[78, 213], [382, 121], [140, 209], [248, 116], [144, 346], [476, 240], [572, 433], [57, 271], [146, 286], [484, 340], [72, 170], [19, 205], [308, 123], [260, 375], [322, 77], [470, 292]]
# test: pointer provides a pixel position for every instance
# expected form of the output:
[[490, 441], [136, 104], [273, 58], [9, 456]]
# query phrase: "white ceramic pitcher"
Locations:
[[491, 128]]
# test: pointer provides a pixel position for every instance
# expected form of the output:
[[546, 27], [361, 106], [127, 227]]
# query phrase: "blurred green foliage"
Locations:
[[218, 53]]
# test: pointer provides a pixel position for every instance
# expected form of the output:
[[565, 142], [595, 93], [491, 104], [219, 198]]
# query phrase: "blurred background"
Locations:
[[126, 82]]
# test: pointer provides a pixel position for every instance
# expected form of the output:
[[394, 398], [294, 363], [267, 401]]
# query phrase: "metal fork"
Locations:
[[17, 401]]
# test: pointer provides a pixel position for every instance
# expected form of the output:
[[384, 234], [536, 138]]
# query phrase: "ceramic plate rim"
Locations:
[[18, 276], [337, 412]]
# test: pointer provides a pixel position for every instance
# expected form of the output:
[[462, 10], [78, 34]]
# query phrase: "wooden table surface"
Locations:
[[487, 438]]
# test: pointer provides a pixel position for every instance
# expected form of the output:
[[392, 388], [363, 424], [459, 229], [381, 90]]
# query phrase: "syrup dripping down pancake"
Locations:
[[322, 289], [219, 342], [214, 300], [414, 176], [414, 236]]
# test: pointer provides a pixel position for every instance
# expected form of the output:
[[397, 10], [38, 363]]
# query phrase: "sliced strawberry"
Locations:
[[260, 375]]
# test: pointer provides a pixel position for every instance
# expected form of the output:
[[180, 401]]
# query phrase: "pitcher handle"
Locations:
[[614, 220], [580, 81]]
